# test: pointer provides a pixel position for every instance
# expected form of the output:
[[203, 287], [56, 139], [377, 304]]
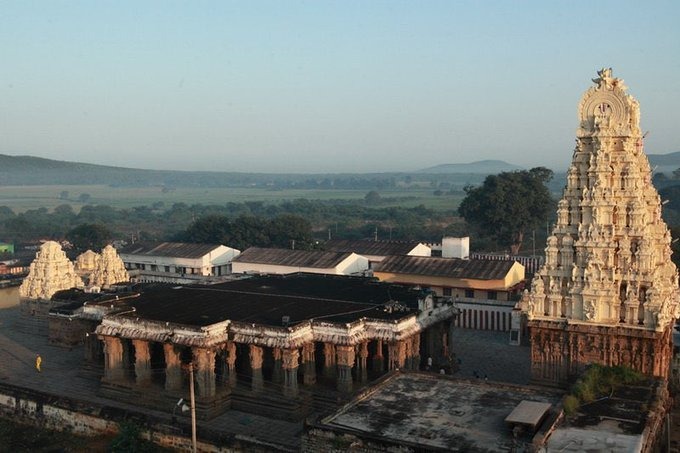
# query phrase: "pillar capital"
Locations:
[[345, 355], [291, 358]]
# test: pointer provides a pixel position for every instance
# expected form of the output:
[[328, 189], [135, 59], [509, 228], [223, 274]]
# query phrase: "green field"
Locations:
[[22, 198]]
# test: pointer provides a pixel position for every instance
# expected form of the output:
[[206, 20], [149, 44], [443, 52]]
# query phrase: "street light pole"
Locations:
[[193, 407]]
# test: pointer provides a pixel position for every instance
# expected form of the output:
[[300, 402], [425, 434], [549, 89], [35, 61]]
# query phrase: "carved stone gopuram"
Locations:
[[50, 271], [608, 292], [109, 269], [86, 262]]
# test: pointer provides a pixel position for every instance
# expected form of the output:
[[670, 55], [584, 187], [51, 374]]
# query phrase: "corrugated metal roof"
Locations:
[[479, 269], [377, 248], [316, 259], [172, 249]]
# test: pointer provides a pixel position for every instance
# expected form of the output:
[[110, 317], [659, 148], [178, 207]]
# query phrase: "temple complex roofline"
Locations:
[[296, 336]]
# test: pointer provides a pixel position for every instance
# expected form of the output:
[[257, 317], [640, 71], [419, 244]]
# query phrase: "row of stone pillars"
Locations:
[[339, 363]]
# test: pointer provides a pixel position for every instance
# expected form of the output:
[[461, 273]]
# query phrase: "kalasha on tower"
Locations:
[[608, 292]]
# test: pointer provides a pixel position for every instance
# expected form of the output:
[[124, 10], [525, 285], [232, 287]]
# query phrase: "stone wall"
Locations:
[[89, 420], [317, 439]]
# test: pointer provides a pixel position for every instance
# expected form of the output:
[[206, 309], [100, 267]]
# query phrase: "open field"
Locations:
[[22, 198]]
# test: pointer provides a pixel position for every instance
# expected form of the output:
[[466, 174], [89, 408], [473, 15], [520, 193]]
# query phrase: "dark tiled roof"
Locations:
[[376, 248], [265, 300], [295, 258], [172, 249], [445, 267]]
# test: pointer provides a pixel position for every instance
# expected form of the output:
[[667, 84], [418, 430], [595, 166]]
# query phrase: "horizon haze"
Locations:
[[325, 87]]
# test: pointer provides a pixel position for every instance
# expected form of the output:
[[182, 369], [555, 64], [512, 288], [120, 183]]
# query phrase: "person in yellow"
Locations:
[[38, 361]]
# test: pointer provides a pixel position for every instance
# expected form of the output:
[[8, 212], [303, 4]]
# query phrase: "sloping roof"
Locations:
[[377, 248], [478, 269], [316, 259], [171, 249]]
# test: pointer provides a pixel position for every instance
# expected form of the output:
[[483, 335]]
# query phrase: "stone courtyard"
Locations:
[[488, 354]]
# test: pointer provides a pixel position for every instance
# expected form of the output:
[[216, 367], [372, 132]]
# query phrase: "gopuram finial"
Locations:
[[605, 80]]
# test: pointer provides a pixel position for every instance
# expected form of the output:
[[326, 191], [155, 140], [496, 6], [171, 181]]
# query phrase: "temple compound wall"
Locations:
[[608, 291]]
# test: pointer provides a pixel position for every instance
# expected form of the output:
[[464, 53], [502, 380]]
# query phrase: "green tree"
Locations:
[[89, 236], [506, 205], [286, 228], [372, 197]]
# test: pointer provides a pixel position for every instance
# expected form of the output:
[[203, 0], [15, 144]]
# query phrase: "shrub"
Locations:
[[571, 404]]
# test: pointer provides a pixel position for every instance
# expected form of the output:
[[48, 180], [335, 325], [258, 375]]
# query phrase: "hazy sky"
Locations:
[[317, 86]]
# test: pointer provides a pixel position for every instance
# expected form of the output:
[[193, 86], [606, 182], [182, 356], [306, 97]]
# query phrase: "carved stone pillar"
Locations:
[[345, 356], [329, 360], [309, 364], [407, 354], [276, 372], [290, 371], [173, 367], [256, 368], [378, 359], [362, 352], [142, 362], [415, 350], [230, 349], [204, 369], [397, 355], [113, 359]]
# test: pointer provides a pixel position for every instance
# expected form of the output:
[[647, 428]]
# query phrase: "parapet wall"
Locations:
[[89, 420]]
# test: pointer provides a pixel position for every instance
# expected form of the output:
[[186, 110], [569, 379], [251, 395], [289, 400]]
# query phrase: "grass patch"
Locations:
[[597, 382]]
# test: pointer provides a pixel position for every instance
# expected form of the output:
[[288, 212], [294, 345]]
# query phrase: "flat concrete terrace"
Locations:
[[437, 412], [63, 375]]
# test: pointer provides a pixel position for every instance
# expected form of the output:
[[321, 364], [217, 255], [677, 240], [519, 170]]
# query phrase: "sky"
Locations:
[[325, 86]]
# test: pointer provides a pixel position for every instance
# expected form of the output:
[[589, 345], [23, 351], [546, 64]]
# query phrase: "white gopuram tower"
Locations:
[[608, 292]]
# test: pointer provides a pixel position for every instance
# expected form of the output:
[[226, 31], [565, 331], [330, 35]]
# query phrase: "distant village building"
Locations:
[[177, 262], [452, 247], [6, 247], [376, 251], [608, 292], [257, 260], [485, 291], [269, 344]]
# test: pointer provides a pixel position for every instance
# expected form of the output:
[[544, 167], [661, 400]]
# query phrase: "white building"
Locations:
[[283, 261], [177, 262], [376, 251]]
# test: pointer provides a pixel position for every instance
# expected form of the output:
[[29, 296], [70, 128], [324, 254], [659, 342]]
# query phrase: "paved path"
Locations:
[[489, 353], [62, 375]]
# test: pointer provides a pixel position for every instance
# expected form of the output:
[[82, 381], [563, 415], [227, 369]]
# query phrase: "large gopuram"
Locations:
[[276, 345], [608, 292]]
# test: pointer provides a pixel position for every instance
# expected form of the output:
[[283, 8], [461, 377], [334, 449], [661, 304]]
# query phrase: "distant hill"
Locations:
[[664, 163], [482, 167]]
